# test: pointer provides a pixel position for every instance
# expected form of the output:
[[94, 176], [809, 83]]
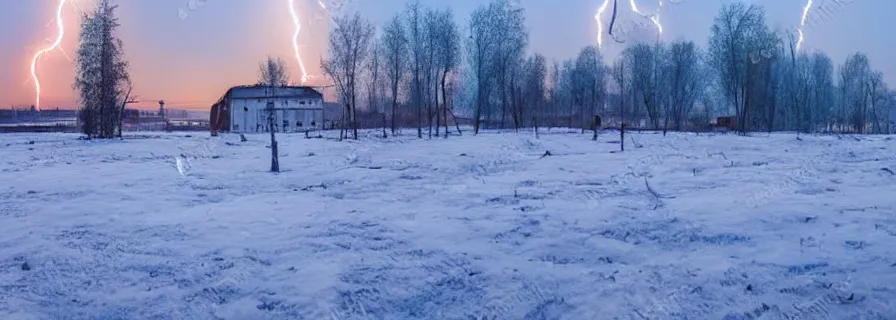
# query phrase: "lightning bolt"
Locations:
[[634, 6], [806, 9], [600, 24], [327, 10], [295, 38], [655, 17], [48, 49]]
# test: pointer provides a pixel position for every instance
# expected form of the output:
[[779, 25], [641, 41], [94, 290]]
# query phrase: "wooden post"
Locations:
[[596, 126], [622, 137], [275, 161]]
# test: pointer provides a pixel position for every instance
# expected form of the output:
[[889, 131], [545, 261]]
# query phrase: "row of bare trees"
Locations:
[[417, 70], [772, 87], [408, 68]]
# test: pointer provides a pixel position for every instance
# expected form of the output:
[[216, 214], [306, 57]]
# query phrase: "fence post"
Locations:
[[275, 161], [622, 137], [596, 126]]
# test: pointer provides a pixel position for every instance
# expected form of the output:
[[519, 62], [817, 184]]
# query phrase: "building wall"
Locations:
[[292, 114]]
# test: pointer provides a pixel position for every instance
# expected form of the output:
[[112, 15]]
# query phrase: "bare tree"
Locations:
[[495, 53], [395, 52], [590, 84], [731, 34], [879, 94], [534, 91], [822, 91], [480, 52], [375, 88], [643, 62], [272, 74], [565, 91], [553, 95], [417, 44], [620, 72], [447, 43], [348, 47], [510, 28], [761, 86], [101, 76], [682, 71], [854, 75], [430, 66]]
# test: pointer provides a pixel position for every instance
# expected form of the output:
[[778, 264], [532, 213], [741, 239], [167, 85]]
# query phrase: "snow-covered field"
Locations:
[[685, 227]]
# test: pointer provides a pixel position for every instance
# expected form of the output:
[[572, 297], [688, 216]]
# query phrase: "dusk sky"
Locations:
[[191, 62]]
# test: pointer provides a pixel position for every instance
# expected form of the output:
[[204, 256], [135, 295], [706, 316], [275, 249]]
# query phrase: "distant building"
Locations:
[[244, 109], [728, 123]]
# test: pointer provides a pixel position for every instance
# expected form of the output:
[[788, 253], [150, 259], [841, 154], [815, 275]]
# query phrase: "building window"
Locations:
[[246, 109], [302, 102], [285, 124], [313, 123], [236, 127], [298, 123]]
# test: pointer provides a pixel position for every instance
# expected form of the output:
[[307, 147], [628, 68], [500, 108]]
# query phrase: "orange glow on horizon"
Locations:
[[189, 70]]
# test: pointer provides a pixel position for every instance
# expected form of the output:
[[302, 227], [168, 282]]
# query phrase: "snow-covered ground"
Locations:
[[187, 226]]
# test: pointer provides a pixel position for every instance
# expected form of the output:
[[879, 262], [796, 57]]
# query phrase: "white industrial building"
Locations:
[[244, 109]]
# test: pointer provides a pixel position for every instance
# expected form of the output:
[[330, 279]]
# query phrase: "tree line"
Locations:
[[422, 67], [423, 70]]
